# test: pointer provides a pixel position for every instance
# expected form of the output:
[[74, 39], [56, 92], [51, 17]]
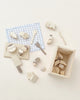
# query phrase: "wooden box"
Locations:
[[68, 56]]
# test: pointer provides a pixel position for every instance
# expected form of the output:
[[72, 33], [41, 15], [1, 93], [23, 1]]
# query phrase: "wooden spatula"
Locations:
[[38, 45]]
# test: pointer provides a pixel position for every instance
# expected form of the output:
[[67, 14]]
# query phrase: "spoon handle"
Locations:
[[42, 50]]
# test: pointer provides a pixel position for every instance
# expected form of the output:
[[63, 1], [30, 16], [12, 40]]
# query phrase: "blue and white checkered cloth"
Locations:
[[29, 28]]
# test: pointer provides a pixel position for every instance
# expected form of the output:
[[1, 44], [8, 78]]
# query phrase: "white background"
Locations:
[[66, 14]]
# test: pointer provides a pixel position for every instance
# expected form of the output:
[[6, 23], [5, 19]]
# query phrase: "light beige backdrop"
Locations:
[[66, 14]]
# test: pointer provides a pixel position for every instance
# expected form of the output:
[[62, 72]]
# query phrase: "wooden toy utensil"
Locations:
[[34, 34], [38, 45]]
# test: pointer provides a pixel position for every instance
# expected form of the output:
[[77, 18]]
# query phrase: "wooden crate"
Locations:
[[68, 55]]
